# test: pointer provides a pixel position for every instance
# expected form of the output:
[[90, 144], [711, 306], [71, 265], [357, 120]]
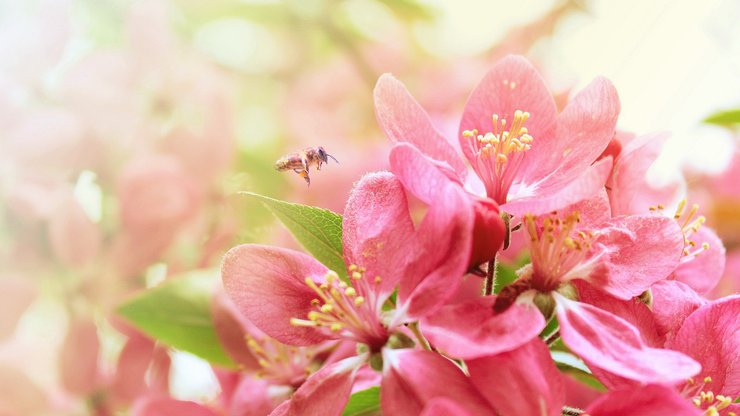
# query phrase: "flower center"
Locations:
[[690, 224], [347, 310], [499, 153], [283, 364], [705, 399], [556, 248]]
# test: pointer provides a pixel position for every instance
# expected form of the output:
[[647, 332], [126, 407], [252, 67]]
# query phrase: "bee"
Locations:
[[301, 161]]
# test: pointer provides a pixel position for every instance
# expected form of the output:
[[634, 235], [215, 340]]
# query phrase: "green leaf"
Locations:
[[363, 402], [724, 118], [569, 363], [317, 229], [178, 313]]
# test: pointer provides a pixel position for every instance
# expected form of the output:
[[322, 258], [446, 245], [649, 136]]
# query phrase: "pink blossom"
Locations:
[[296, 300], [539, 161]]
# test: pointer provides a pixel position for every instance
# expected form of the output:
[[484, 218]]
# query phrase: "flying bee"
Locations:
[[301, 162]]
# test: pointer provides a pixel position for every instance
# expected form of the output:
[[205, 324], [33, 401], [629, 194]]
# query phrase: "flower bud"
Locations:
[[488, 231]]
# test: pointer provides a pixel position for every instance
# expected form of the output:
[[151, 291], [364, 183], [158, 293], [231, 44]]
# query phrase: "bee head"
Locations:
[[322, 154]]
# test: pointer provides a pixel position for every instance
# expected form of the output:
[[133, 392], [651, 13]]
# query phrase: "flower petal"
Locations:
[[471, 329], [533, 386], [327, 391], [443, 406], [584, 129], [630, 192], [419, 174], [164, 406], [267, 284], [673, 302], [78, 359], [642, 249], [703, 272], [231, 328], [413, 378], [512, 84], [644, 401], [403, 120], [443, 242], [608, 342], [633, 311], [377, 228], [711, 335], [253, 397], [550, 195]]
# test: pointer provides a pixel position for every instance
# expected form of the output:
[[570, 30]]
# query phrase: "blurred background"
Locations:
[[127, 129]]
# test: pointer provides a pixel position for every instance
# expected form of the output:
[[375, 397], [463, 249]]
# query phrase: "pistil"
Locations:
[[499, 153], [344, 310]]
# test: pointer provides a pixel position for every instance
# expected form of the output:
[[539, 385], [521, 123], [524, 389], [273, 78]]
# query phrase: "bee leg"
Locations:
[[304, 174], [318, 165]]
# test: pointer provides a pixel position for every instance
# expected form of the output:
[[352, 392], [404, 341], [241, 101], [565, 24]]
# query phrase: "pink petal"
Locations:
[[524, 381], [419, 174], [377, 229], [471, 329], [327, 391], [633, 311], [703, 272], [403, 120], [16, 295], [489, 231], [550, 195], [629, 190], [608, 342], [129, 381], [644, 401], [78, 358], [512, 84], [267, 284], [642, 249], [253, 397], [443, 241], [413, 378], [165, 406], [281, 410], [579, 394], [673, 302], [584, 129], [593, 211], [711, 335], [443, 406], [231, 329]]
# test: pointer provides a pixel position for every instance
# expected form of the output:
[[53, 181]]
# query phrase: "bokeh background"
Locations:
[[127, 129]]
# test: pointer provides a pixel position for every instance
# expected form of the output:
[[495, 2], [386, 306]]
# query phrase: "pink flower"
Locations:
[[622, 256], [296, 300], [529, 158], [645, 401], [682, 321]]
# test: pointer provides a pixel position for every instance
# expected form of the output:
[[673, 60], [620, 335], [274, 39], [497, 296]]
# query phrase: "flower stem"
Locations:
[[490, 277], [552, 338], [414, 327], [571, 411]]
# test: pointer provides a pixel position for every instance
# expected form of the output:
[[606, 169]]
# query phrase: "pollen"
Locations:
[[499, 152], [704, 398], [690, 223], [280, 363], [556, 247], [345, 309]]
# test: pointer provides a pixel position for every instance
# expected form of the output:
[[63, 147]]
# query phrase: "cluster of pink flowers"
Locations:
[[613, 280]]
